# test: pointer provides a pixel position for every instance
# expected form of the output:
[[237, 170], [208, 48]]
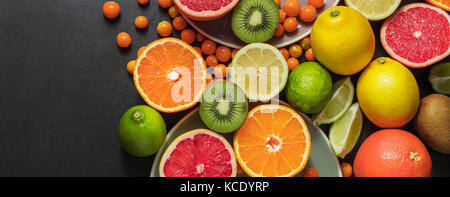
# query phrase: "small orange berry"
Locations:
[[164, 29], [308, 13], [290, 24], [165, 3], [143, 2], [200, 37], [141, 22], [220, 71], [279, 31], [347, 169], [123, 40], [179, 23], [188, 35], [282, 16], [291, 7], [209, 47], [233, 53], [292, 63], [212, 61], [306, 43], [173, 12], [316, 3], [309, 55], [130, 66], [310, 172], [111, 9], [295, 50], [223, 54], [285, 53]]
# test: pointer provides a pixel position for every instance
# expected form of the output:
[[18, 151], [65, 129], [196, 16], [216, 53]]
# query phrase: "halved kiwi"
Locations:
[[255, 20], [223, 107]]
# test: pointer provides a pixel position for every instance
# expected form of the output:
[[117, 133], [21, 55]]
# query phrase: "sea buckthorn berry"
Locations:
[[209, 47], [141, 22], [282, 16], [308, 13], [179, 23], [292, 63], [111, 9], [130, 66], [285, 53], [309, 55], [188, 35], [347, 169], [316, 3], [310, 172], [306, 43], [233, 53], [295, 50], [173, 12], [220, 71], [123, 40], [200, 37], [290, 24], [165, 3], [164, 29], [143, 2], [223, 54], [279, 31], [291, 7], [212, 61]]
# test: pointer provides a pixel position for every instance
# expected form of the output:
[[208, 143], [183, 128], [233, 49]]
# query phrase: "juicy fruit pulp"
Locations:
[[342, 40], [198, 153], [170, 75], [260, 70], [205, 10], [418, 35], [440, 78], [344, 133], [392, 153], [274, 141], [255, 20], [343, 93], [374, 9], [309, 87], [223, 107], [388, 93], [142, 131]]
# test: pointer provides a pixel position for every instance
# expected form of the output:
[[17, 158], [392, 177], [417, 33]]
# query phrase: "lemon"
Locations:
[[374, 10], [343, 93], [344, 133], [260, 70], [388, 93], [343, 40]]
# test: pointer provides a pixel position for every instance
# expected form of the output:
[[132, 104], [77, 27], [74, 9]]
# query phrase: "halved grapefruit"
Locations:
[[170, 75], [273, 142], [199, 153], [205, 10], [417, 35]]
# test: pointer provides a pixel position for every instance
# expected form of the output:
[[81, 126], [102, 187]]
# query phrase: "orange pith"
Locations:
[[273, 141], [170, 75]]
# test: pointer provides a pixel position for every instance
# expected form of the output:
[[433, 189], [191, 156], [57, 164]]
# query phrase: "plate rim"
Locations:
[[188, 115], [281, 45]]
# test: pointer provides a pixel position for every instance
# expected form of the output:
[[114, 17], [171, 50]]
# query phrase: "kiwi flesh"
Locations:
[[255, 20], [223, 107]]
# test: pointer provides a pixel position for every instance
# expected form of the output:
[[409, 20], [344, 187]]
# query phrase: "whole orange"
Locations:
[[392, 153]]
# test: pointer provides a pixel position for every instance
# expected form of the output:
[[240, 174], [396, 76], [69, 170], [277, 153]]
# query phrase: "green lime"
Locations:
[[142, 131], [440, 78], [344, 133], [309, 87], [343, 93]]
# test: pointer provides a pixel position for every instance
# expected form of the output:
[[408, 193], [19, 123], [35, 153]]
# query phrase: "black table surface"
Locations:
[[64, 88]]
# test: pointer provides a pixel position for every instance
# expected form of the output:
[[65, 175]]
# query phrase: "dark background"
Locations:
[[64, 88]]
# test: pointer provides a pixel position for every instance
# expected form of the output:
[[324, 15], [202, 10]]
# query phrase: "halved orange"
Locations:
[[444, 4], [170, 75], [274, 141]]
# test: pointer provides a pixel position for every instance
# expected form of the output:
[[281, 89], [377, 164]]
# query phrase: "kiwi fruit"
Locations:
[[255, 20], [223, 107], [432, 122]]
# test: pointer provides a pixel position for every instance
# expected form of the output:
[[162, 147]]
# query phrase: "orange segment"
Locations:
[[170, 75], [274, 141]]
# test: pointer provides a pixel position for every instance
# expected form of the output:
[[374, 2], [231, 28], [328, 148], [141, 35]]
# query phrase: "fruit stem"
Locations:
[[381, 61], [414, 156], [138, 115], [334, 13]]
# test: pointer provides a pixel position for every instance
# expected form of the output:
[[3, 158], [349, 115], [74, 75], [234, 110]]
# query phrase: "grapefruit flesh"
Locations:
[[205, 10], [199, 153], [417, 35]]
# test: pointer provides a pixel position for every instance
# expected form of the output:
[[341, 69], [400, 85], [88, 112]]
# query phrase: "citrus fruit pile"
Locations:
[[270, 140]]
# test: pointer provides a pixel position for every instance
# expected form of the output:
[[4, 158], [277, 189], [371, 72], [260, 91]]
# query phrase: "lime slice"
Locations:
[[260, 70], [440, 78], [343, 92], [344, 133], [374, 10]]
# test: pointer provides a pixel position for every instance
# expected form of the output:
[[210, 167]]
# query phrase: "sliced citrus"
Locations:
[[260, 70], [374, 10], [344, 133], [440, 78], [199, 153], [273, 142], [343, 93], [444, 4], [170, 75]]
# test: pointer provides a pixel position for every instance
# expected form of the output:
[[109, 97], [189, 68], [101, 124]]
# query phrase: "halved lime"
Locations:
[[344, 133], [343, 93], [374, 10], [440, 78], [260, 70]]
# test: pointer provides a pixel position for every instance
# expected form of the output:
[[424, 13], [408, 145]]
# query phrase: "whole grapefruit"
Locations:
[[392, 153]]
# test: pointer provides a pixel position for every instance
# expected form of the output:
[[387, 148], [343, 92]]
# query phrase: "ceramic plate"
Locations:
[[220, 31], [321, 157]]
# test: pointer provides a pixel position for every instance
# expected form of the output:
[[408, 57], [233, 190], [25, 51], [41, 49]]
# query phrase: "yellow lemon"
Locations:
[[343, 40], [388, 93]]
